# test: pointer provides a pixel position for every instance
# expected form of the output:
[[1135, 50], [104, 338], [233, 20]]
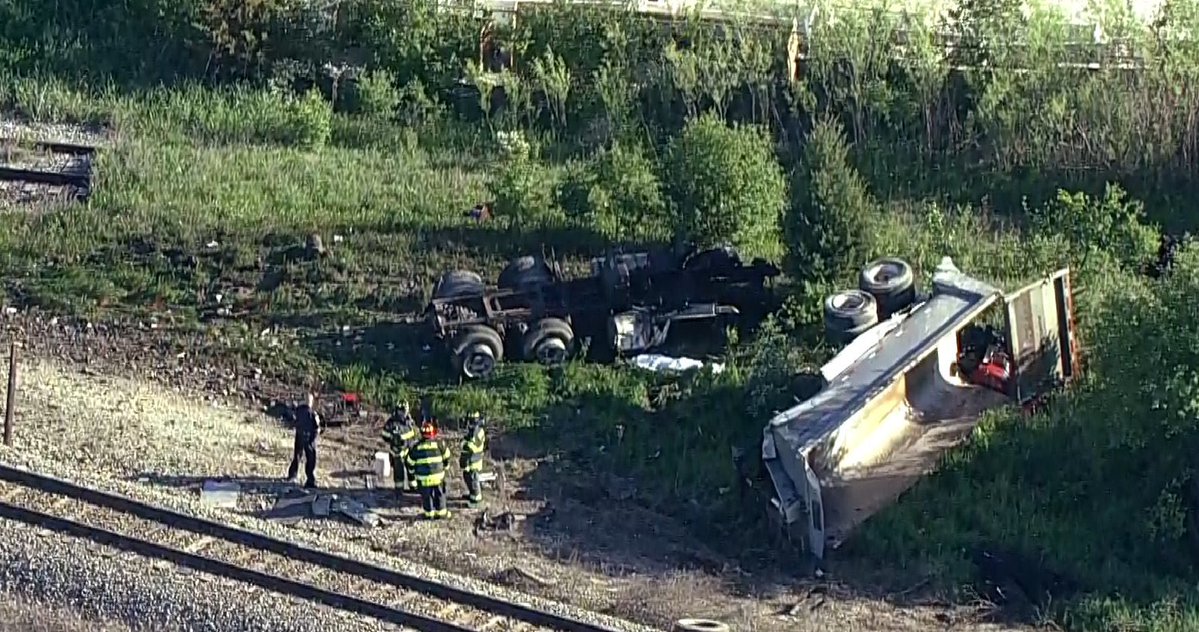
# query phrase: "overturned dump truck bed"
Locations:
[[894, 402]]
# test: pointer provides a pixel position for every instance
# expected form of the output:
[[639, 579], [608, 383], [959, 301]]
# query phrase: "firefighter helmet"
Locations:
[[428, 429]]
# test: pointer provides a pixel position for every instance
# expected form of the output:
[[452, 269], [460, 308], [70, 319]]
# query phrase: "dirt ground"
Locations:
[[134, 405]]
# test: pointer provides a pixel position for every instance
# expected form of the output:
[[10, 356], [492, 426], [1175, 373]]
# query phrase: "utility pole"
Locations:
[[10, 401]]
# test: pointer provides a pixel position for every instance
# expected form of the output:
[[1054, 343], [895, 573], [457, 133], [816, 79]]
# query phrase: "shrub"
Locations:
[[827, 229], [727, 186], [619, 195], [309, 120], [1113, 224], [525, 193], [377, 94]]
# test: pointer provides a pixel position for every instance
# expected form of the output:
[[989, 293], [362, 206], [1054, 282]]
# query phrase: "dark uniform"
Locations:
[[474, 446], [400, 435], [428, 459], [308, 426]]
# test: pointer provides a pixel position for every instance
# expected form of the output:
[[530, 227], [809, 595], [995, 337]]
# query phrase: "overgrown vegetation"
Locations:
[[245, 127]]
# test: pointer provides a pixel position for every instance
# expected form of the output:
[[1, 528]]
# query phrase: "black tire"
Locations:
[[526, 271], [714, 259], [700, 625], [477, 350], [847, 314], [459, 283], [891, 282], [550, 342]]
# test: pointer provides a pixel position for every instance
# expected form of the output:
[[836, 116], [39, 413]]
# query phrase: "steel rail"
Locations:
[[339, 563], [225, 569]]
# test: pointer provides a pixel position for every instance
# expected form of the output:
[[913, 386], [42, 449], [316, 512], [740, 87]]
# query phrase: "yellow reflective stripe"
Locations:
[[428, 460]]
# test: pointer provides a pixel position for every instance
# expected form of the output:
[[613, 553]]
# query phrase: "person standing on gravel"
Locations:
[[428, 460], [474, 444], [400, 435], [308, 426]]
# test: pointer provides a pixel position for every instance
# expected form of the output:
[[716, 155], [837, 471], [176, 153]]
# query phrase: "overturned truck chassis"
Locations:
[[627, 305], [894, 401]]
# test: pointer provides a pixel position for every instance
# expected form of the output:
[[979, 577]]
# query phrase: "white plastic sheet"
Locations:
[[662, 364]]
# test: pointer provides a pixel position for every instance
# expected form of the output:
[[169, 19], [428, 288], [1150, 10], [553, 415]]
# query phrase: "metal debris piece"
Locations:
[[222, 494], [322, 505], [358, 512]]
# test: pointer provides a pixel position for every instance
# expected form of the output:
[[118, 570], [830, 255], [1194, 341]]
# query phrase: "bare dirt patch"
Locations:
[[73, 410]]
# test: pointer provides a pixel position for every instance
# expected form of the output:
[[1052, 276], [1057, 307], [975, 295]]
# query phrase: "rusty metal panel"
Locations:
[[1038, 319]]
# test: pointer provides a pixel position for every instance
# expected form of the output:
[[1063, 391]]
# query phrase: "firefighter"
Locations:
[[428, 460], [474, 444], [400, 435], [308, 426]]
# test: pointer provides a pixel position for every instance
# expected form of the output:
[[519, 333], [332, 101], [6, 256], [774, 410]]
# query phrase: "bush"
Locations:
[[1113, 224], [309, 120], [619, 195], [377, 94], [828, 226], [525, 193], [727, 186]]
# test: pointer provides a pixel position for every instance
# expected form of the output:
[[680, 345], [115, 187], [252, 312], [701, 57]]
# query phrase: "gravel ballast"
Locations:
[[104, 583]]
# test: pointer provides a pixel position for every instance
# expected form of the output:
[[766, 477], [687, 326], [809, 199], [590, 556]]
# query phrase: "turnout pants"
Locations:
[[401, 475], [432, 501], [474, 487], [305, 447]]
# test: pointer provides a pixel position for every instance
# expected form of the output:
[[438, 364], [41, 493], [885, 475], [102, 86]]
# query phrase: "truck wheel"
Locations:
[[891, 282], [847, 314], [549, 342], [526, 271], [714, 259], [477, 351], [700, 625], [458, 283]]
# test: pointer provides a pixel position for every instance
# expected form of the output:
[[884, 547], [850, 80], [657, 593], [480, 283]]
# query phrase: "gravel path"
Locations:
[[105, 583]]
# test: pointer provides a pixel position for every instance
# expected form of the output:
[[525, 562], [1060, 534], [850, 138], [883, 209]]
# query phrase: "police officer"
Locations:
[[428, 459], [400, 435], [308, 426], [474, 444]]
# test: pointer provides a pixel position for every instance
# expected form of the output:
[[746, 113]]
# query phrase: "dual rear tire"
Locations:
[[478, 349], [885, 286]]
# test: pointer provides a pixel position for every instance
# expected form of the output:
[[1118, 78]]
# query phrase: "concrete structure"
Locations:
[[894, 403]]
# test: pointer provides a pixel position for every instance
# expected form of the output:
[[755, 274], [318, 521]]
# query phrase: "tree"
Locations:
[[727, 186], [1114, 224], [828, 227], [620, 195]]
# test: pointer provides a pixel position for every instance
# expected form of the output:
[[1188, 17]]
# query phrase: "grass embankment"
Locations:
[[1097, 486]]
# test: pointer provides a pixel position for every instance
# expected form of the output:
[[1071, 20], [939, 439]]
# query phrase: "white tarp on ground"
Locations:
[[663, 364]]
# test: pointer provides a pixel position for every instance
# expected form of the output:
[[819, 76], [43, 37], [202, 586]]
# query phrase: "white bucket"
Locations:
[[382, 465]]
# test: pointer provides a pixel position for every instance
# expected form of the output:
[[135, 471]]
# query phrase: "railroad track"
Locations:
[[220, 549], [40, 171]]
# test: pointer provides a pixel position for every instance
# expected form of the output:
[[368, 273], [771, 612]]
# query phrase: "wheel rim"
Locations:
[[551, 351], [884, 272], [479, 361], [848, 301]]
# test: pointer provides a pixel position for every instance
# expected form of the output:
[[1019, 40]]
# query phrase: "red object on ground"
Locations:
[[350, 398], [993, 372]]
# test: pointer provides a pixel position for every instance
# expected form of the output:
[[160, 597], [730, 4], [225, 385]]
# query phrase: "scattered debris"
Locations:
[[504, 522], [314, 247], [222, 494], [358, 512], [700, 625], [663, 364], [515, 576], [322, 505]]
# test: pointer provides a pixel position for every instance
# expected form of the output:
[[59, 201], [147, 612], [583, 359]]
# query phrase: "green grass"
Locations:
[[207, 193]]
